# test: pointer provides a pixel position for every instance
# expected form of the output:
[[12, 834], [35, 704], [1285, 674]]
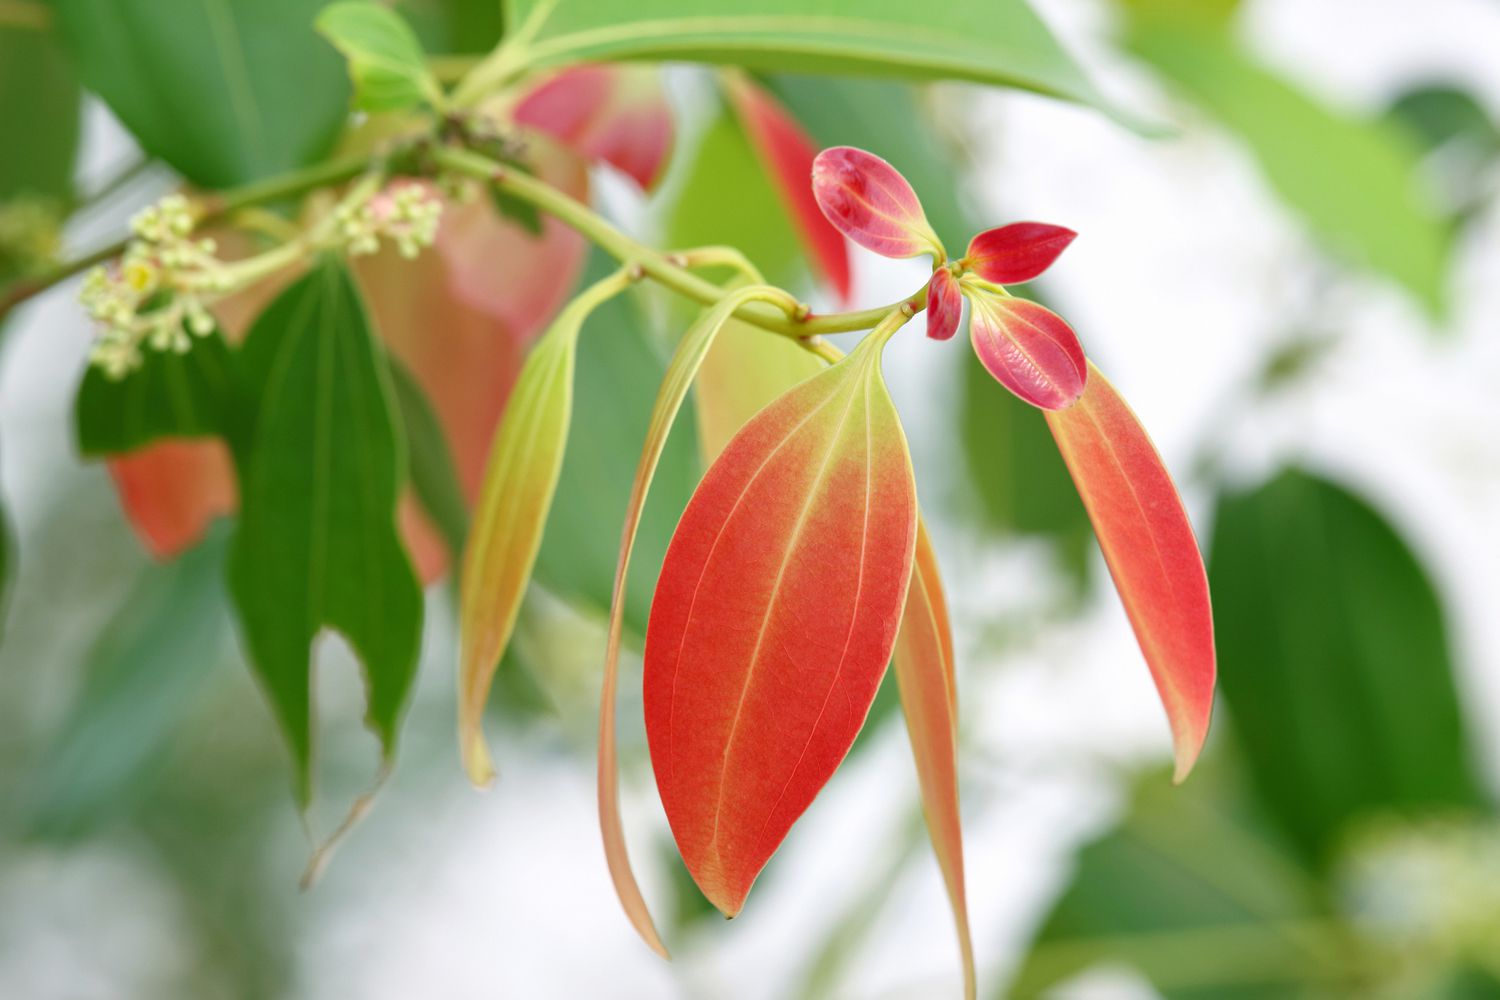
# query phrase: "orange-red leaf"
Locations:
[[617, 113], [868, 200], [775, 616], [745, 369], [1149, 545], [929, 699], [787, 152], [172, 491]]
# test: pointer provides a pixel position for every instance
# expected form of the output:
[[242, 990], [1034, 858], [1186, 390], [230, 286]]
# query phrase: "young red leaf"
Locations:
[[171, 491], [1017, 252], [869, 201], [506, 535], [617, 113], [774, 618], [1028, 348], [674, 389], [945, 305], [923, 662], [787, 153], [1149, 545]]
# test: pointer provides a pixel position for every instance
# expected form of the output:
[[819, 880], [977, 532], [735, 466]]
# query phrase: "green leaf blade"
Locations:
[[386, 62]]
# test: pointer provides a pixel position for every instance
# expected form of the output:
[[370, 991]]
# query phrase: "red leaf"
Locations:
[[172, 491], [1028, 348], [945, 305], [774, 618], [787, 153], [1017, 252], [617, 113], [929, 698], [1149, 545], [869, 201]]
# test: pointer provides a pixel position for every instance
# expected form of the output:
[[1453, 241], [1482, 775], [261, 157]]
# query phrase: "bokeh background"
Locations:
[[1324, 392]]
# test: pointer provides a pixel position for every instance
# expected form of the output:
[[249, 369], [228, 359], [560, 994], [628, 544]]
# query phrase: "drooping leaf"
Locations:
[[1188, 892], [774, 618], [868, 200], [744, 371], [1016, 253], [434, 477], [386, 62], [787, 153], [1020, 481], [1355, 183], [148, 664], [669, 399], [1027, 347], [171, 395], [317, 545], [945, 305], [1338, 676], [618, 114], [226, 91], [1149, 547], [924, 666], [171, 491], [519, 482], [1008, 45], [39, 106]]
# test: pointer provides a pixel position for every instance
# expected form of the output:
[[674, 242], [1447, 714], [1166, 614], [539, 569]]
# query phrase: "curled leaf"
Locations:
[[945, 305], [1018, 252], [869, 201], [774, 618], [617, 113], [674, 389], [1149, 546], [923, 661], [506, 533], [1027, 347], [788, 152]]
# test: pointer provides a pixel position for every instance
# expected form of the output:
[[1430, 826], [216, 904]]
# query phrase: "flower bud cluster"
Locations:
[[154, 295], [406, 214]]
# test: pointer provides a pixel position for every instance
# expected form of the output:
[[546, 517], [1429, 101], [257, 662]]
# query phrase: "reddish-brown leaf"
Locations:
[[787, 153], [1149, 545], [1028, 348], [617, 113], [172, 491], [774, 618], [945, 305], [1017, 252]]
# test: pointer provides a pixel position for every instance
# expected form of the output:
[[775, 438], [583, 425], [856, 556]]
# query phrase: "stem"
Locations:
[[658, 266]]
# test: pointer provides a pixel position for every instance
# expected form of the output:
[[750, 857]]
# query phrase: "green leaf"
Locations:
[[226, 91], [754, 221], [615, 383], [1438, 114], [39, 105], [1334, 662], [317, 544], [1187, 893], [143, 674], [1355, 183], [434, 477], [455, 26], [196, 394], [1020, 481], [845, 111], [386, 62], [1005, 43]]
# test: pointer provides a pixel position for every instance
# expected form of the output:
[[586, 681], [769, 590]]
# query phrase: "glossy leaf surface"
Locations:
[[1008, 45], [615, 113], [386, 63], [924, 666], [1149, 546], [674, 389], [775, 617], [945, 305], [317, 545], [867, 200], [226, 91], [1028, 348], [506, 534], [787, 153], [1018, 252], [1338, 673]]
